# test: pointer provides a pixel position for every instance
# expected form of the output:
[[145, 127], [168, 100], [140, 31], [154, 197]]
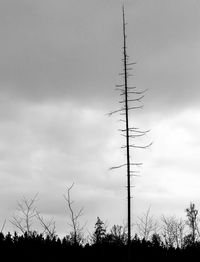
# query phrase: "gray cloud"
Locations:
[[72, 49], [53, 50], [59, 64]]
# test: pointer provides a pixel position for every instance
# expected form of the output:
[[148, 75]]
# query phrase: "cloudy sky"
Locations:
[[59, 63]]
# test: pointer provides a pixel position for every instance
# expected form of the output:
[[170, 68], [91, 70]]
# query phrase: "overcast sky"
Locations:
[[59, 63]]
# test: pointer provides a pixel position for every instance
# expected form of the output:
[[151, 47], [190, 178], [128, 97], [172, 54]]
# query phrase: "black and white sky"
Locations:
[[59, 63]]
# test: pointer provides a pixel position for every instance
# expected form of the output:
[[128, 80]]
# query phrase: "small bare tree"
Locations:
[[146, 225], [192, 222], [76, 234], [26, 213], [173, 231], [119, 234]]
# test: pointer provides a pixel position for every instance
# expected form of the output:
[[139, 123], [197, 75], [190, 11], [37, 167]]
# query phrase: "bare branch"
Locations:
[[131, 87], [141, 147], [115, 167], [27, 212], [134, 129], [135, 175], [119, 85], [139, 131], [130, 108], [135, 107], [4, 223], [122, 120], [49, 227], [132, 164], [132, 100], [116, 111], [131, 63], [16, 221], [173, 231], [74, 217], [134, 92], [119, 89], [146, 225], [135, 136], [136, 164]]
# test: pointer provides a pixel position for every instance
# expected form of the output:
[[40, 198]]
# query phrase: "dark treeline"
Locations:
[[172, 240], [168, 245], [36, 247]]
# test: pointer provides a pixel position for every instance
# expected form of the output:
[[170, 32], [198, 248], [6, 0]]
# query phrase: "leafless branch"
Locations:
[[131, 87], [119, 85], [136, 130], [140, 147], [116, 111], [139, 131], [135, 92], [49, 227], [115, 167], [23, 221], [119, 89], [133, 100], [74, 217], [131, 164], [146, 225], [134, 136], [134, 63], [135, 107], [173, 231], [4, 223]]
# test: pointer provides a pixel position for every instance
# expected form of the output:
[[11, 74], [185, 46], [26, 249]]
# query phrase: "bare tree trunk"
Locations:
[[74, 217], [128, 132], [192, 215]]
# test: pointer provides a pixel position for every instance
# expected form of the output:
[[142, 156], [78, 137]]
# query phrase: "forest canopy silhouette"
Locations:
[[169, 239]]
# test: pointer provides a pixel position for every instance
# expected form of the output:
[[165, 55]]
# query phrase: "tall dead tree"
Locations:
[[131, 99]]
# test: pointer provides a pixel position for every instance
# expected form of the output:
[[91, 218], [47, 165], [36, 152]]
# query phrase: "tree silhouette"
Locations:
[[100, 232], [173, 231], [76, 233], [119, 236], [26, 213], [130, 100], [192, 214], [146, 225]]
